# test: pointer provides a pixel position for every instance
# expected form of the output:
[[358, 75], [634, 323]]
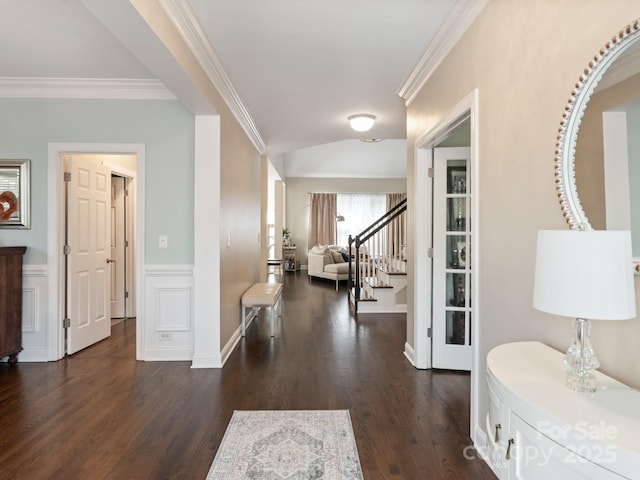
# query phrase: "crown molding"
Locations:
[[626, 65], [94, 88], [182, 15], [459, 19]]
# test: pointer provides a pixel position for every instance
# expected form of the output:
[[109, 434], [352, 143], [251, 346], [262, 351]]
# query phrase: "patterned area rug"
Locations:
[[288, 444]]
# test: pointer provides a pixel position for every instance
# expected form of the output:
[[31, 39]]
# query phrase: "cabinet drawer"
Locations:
[[534, 456]]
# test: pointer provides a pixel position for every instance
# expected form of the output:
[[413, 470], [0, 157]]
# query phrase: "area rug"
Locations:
[[288, 445]]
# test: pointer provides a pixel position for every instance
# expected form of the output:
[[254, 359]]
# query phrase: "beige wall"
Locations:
[[239, 181], [298, 189], [240, 195], [524, 57]]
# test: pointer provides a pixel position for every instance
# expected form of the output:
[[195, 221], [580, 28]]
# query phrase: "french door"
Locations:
[[452, 276]]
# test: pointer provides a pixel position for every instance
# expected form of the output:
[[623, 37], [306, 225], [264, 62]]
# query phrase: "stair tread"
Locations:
[[364, 296], [375, 282], [391, 271]]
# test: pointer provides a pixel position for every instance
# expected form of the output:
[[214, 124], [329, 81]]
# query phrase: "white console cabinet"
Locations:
[[539, 429]]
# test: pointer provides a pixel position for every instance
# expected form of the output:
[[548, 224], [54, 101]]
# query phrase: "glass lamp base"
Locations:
[[585, 382], [581, 359]]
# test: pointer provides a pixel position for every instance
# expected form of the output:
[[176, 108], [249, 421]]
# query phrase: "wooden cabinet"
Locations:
[[11, 302], [537, 428]]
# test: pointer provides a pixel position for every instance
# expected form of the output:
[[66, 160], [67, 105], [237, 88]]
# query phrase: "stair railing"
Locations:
[[382, 247]]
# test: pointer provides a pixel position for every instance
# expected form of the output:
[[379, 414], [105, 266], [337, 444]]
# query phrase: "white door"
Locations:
[[117, 244], [452, 320], [88, 234]]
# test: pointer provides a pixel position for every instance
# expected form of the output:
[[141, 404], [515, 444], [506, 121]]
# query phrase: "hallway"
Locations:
[[101, 415]]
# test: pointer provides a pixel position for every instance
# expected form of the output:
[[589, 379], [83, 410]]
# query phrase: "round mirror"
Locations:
[[596, 162]]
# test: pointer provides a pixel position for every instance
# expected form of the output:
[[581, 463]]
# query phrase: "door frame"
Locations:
[[56, 226], [458, 357], [465, 109], [117, 246], [130, 212]]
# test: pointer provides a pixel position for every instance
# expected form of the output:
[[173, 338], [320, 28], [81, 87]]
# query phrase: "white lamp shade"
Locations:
[[585, 274], [361, 122]]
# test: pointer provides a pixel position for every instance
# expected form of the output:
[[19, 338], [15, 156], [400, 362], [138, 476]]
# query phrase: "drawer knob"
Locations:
[[508, 455], [498, 428]]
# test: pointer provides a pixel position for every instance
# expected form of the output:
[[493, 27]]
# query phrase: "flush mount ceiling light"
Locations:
[[371, 140], [361, 122]]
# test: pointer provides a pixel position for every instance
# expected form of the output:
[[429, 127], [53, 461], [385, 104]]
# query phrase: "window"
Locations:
[[359, 211]]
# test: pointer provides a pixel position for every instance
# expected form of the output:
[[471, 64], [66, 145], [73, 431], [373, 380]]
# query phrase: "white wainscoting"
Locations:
[[168, 322], [34, 308], [168, 308]]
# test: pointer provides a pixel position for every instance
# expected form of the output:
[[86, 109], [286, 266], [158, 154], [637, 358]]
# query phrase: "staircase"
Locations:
[[378, 274]]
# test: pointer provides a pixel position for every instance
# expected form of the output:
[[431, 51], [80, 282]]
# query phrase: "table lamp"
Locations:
[[587, 275]]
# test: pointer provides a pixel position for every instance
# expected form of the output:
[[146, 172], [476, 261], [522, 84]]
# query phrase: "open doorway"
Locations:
[[97, 246], [118, 246], [463, 119], [125, 162]]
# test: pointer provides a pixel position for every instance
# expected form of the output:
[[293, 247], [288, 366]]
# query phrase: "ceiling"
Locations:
[[298, 67]]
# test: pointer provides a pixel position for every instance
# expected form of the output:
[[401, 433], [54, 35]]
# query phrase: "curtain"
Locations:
[[397, 230], [359, 210], [322, 224]]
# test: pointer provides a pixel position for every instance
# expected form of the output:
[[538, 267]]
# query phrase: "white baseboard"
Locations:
[[410, 353], [227, 350], [33, 356], [168, 354], [480, 442], [235, 338], [206, 361]]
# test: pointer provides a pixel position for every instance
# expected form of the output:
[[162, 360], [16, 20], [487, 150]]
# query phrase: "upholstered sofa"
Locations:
[[328, 262]]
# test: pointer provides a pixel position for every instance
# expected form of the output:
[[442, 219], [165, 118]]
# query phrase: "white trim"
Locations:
[[168, 270], [230, 346], [462, 15], [410, 354], [55, 232], [617, 191], [482, 452], [97, 88], [422, 262], [130, 176], [34, 314], [620, 70], [477, 376], [34, 270], [186, 21], [206, 243], [168, 354], [465, 108]]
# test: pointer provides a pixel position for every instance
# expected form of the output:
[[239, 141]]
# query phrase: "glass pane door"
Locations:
[[452, 260]]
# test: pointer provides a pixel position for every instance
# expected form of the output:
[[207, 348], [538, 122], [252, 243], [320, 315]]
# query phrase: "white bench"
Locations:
[[262, 295]]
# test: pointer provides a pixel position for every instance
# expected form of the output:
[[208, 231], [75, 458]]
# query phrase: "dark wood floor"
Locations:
[[101, 415]]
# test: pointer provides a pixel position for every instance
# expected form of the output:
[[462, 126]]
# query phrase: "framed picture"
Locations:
[[14, 194]]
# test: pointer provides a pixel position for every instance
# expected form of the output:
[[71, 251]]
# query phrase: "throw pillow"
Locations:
[[345, 257], [337, 256], [319, 250]]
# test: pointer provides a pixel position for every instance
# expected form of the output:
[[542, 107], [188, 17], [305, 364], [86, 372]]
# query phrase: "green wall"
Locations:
[[166, 129]]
